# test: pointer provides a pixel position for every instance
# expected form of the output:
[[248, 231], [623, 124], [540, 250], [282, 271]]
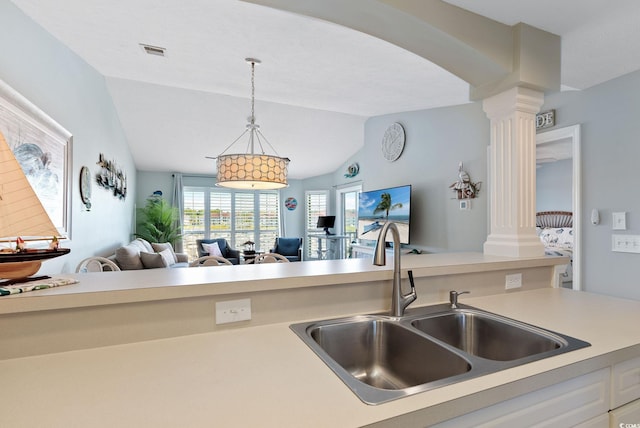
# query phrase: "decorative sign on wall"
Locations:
[[291, 203], [85, 187], [546, 119], [111, 178], [464, 188]]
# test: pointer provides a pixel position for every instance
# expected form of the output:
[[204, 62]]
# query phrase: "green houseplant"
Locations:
[[158, 221]]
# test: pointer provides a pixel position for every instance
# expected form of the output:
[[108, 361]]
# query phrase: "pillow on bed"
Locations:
[[561, 237]]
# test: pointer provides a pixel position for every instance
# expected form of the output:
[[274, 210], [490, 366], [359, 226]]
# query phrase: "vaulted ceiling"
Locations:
[[318, 81]]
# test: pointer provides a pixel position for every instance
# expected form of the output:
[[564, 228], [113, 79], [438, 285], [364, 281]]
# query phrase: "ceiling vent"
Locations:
[[153, 50]]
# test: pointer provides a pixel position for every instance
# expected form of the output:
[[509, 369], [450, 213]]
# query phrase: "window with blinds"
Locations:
[[194, 219], [269, 223], [220, 223], [316, 204], [244, 218], [237, 216]]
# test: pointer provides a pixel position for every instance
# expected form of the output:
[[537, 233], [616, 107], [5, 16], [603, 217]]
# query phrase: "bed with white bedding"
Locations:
[[555, 229]]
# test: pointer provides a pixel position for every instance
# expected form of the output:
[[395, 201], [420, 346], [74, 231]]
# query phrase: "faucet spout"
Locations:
[[399, 301]]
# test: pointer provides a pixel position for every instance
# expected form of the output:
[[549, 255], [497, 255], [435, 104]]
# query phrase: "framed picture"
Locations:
[[43, 149]]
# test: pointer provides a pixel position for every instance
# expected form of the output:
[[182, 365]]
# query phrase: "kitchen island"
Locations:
[[259, 373]]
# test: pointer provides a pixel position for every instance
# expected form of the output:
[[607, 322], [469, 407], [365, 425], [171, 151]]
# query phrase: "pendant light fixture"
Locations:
[[252, 170]]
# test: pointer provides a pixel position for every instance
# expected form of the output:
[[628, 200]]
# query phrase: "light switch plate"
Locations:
[[619, 221], [233, 311], [625, 243]]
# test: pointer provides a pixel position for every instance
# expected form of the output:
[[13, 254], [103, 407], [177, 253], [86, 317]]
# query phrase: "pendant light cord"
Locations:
[[252, 128], [253, 91]]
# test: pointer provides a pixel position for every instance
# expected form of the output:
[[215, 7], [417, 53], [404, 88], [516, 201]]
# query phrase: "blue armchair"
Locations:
[[227, 252], [291, 248]]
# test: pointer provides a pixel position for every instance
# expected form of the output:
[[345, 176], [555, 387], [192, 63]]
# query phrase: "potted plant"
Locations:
[[158, 221]]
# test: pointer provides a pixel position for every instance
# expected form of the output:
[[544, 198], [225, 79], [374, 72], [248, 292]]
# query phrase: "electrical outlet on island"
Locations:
[[513, 281], [233, 311]]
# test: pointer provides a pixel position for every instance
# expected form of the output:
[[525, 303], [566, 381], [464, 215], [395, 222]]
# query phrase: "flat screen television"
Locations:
[[326, 222], [376, 207]]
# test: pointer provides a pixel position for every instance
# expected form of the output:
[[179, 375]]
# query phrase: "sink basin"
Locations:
[[487, 336], [386, 355], [382, 358]]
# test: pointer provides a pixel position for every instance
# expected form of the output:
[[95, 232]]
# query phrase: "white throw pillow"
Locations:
[[158, 247], [212, 249]]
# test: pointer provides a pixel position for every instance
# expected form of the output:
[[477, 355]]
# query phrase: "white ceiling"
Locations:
[[318, 82]]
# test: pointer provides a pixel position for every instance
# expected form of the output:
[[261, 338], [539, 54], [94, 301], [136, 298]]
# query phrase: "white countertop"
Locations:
[[266, 376], [103, 288]]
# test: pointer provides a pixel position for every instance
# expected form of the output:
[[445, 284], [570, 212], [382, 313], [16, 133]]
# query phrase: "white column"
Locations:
[[512, 173]]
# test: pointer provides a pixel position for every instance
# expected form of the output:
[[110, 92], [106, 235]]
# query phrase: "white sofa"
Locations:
[[140, 254]]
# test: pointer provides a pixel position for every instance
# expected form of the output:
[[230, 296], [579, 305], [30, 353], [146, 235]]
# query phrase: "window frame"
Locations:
[[310, 247], [206, 232]]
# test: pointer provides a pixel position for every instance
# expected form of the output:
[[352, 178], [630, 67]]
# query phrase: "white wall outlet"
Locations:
[[513, 281], [233, 311], [619, 221]]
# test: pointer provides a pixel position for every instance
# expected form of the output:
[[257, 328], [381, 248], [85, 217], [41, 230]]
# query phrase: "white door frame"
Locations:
[[339, 208], [572, 133]]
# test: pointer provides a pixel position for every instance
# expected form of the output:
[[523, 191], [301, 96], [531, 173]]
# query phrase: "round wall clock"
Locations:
[[85, 186], [393, 142]]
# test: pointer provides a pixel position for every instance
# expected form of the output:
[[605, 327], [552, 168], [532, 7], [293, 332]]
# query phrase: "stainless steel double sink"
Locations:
[[382, 358]]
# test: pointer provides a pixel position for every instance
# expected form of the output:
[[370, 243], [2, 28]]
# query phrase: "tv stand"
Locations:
[[330, 246], [363, 251], [326, 231]]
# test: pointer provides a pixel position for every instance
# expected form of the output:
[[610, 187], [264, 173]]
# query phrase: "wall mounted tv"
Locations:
[[376, 207]]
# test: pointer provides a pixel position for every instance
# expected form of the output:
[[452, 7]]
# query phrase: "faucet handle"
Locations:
[[413, 287], [410, 297], [453, 297]]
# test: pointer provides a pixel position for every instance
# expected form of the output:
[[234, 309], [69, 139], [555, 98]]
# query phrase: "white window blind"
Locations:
[[220, 214], [269, 219], [316, 204], [237, 216], [244, 218], [193, 219]]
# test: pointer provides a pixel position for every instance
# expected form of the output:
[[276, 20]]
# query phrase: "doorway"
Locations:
[[347, 214], [563, 142]]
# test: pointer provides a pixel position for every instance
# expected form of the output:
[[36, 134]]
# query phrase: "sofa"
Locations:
[[141, 254], [225, 250]]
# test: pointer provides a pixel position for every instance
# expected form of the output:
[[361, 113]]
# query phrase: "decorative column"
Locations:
[[512, 173]]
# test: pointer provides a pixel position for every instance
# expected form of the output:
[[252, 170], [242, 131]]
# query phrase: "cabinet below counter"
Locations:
[[266, 376]]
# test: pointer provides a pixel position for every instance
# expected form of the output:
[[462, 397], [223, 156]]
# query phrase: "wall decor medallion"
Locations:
[[85, 187], [111, 177], [352, 170], [291, 203], [393, 142]]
